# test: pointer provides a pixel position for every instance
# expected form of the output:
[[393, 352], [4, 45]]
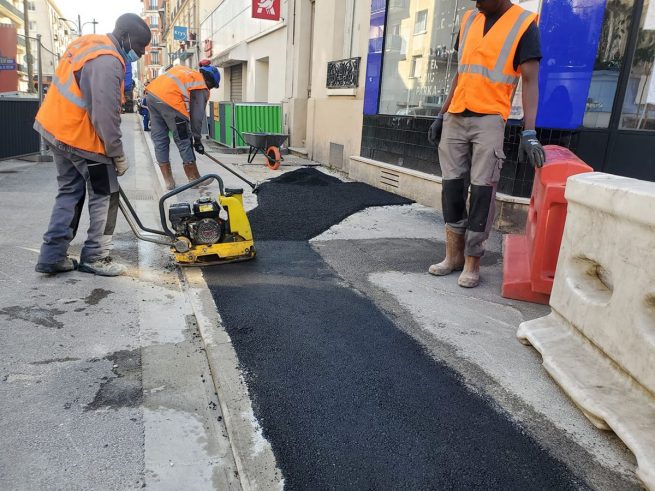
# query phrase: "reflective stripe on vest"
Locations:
[[64, 112], [184, 88], [495, 75], [465, 33], [64, 90], [93, 49], [174, 87], [64, 87]]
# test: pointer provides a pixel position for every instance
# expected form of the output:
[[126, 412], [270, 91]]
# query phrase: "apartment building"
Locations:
[[11, 13], [181, 32], [150, 66], [46, 19]]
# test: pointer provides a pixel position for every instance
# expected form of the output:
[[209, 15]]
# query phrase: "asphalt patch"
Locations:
[[36, 315], [96, 295], [302, 204], [125, 388], [349, 401]]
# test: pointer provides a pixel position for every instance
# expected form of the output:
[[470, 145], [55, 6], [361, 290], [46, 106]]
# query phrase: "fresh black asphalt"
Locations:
[[348, 400]]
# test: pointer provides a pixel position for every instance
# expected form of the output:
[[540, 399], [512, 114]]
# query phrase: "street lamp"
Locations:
[[79, 24]]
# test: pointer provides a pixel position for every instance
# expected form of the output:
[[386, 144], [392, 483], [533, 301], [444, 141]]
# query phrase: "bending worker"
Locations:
[[498, 43], [175, 99], [81, 118]]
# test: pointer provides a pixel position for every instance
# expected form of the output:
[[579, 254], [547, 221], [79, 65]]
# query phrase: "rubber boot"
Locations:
[[470, 277], [167, 174], [191, 171], [454, 255]]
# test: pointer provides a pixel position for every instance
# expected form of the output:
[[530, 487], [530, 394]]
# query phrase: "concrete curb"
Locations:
[[252, 453]]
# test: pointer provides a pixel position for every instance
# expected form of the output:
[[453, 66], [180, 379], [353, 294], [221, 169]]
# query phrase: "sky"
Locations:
[[104, 11]]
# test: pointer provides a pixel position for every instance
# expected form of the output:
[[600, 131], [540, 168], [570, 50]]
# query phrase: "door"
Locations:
[[236, 83]]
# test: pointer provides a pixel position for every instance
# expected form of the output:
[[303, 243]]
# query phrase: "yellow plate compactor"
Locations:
[[205, 232]]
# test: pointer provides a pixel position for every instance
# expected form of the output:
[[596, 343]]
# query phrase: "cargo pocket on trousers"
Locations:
[[498, 165], [99, 178]]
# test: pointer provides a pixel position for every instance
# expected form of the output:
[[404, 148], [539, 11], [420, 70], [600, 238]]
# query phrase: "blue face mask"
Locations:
[[130, 55]]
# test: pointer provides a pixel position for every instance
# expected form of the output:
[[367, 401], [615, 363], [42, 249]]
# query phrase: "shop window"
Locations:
[[607, 66], [417, 71], [638, 110]]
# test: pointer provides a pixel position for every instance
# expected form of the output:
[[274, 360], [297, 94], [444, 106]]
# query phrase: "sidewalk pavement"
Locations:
[[106, 383]]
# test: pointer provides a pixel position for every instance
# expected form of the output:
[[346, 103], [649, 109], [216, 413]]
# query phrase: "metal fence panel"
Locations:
[[17, 137]]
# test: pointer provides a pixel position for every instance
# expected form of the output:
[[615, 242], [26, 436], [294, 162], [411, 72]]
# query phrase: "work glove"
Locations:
[[198, 146], [530, 150], [434, 133], [121, 165]]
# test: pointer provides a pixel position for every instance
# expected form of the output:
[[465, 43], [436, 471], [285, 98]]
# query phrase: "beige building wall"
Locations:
[[257, 45], [334, 116], [56, 34]]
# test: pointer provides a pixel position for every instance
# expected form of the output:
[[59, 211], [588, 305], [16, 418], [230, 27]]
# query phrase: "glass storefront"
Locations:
[[638, 110], [596, 84], [419, 62]]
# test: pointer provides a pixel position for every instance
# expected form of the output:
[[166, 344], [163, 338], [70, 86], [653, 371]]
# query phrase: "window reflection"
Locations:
[[607, 67], [639, 102], [419, 62]]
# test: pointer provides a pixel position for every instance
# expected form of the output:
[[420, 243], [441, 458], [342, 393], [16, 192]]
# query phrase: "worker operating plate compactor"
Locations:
[[205, 232]]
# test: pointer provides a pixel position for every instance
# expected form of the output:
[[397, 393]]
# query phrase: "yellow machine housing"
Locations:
[[236, 245]]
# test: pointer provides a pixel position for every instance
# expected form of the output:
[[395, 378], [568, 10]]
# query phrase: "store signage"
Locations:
[[266, 9], [180, 33], [7, 63]]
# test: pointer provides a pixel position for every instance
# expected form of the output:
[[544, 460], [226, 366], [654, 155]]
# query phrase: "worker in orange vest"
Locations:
[[80, 119], [177, 100], [498, 44]]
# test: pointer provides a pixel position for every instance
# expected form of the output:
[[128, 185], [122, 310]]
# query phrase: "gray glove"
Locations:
[[434, 133], [530, 150], [121, 165]]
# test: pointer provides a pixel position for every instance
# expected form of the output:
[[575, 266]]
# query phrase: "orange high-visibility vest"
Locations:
[[63, 112], [174, 86], [486, 75]]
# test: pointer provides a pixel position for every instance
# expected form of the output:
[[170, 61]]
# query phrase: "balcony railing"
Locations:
[[343, 74], [12, 10]]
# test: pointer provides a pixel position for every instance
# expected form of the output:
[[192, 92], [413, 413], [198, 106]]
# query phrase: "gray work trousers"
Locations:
[[76, 176], [471, 156], [163, 119]]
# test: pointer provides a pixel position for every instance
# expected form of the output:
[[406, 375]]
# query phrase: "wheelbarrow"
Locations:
[[266, 143]]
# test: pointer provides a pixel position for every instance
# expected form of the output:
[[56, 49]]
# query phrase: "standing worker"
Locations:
[[80, 118], [498, 43], [175, 99], [145, 114]]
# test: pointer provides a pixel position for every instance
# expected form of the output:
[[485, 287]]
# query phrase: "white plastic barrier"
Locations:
[[599, 341]]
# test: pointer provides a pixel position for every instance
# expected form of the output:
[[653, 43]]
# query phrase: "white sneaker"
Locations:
[[103, 267]]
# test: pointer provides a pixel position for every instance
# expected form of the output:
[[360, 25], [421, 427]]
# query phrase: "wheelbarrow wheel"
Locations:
[[273, 157]]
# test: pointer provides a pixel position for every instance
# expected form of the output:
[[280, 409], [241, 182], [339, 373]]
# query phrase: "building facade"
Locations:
[[339, 39], [250, 52], [182, 14], [11, 12], [45, 19], [150, 66]]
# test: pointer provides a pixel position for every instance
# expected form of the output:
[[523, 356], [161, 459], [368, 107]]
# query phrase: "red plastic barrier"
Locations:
[[530, 260]]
